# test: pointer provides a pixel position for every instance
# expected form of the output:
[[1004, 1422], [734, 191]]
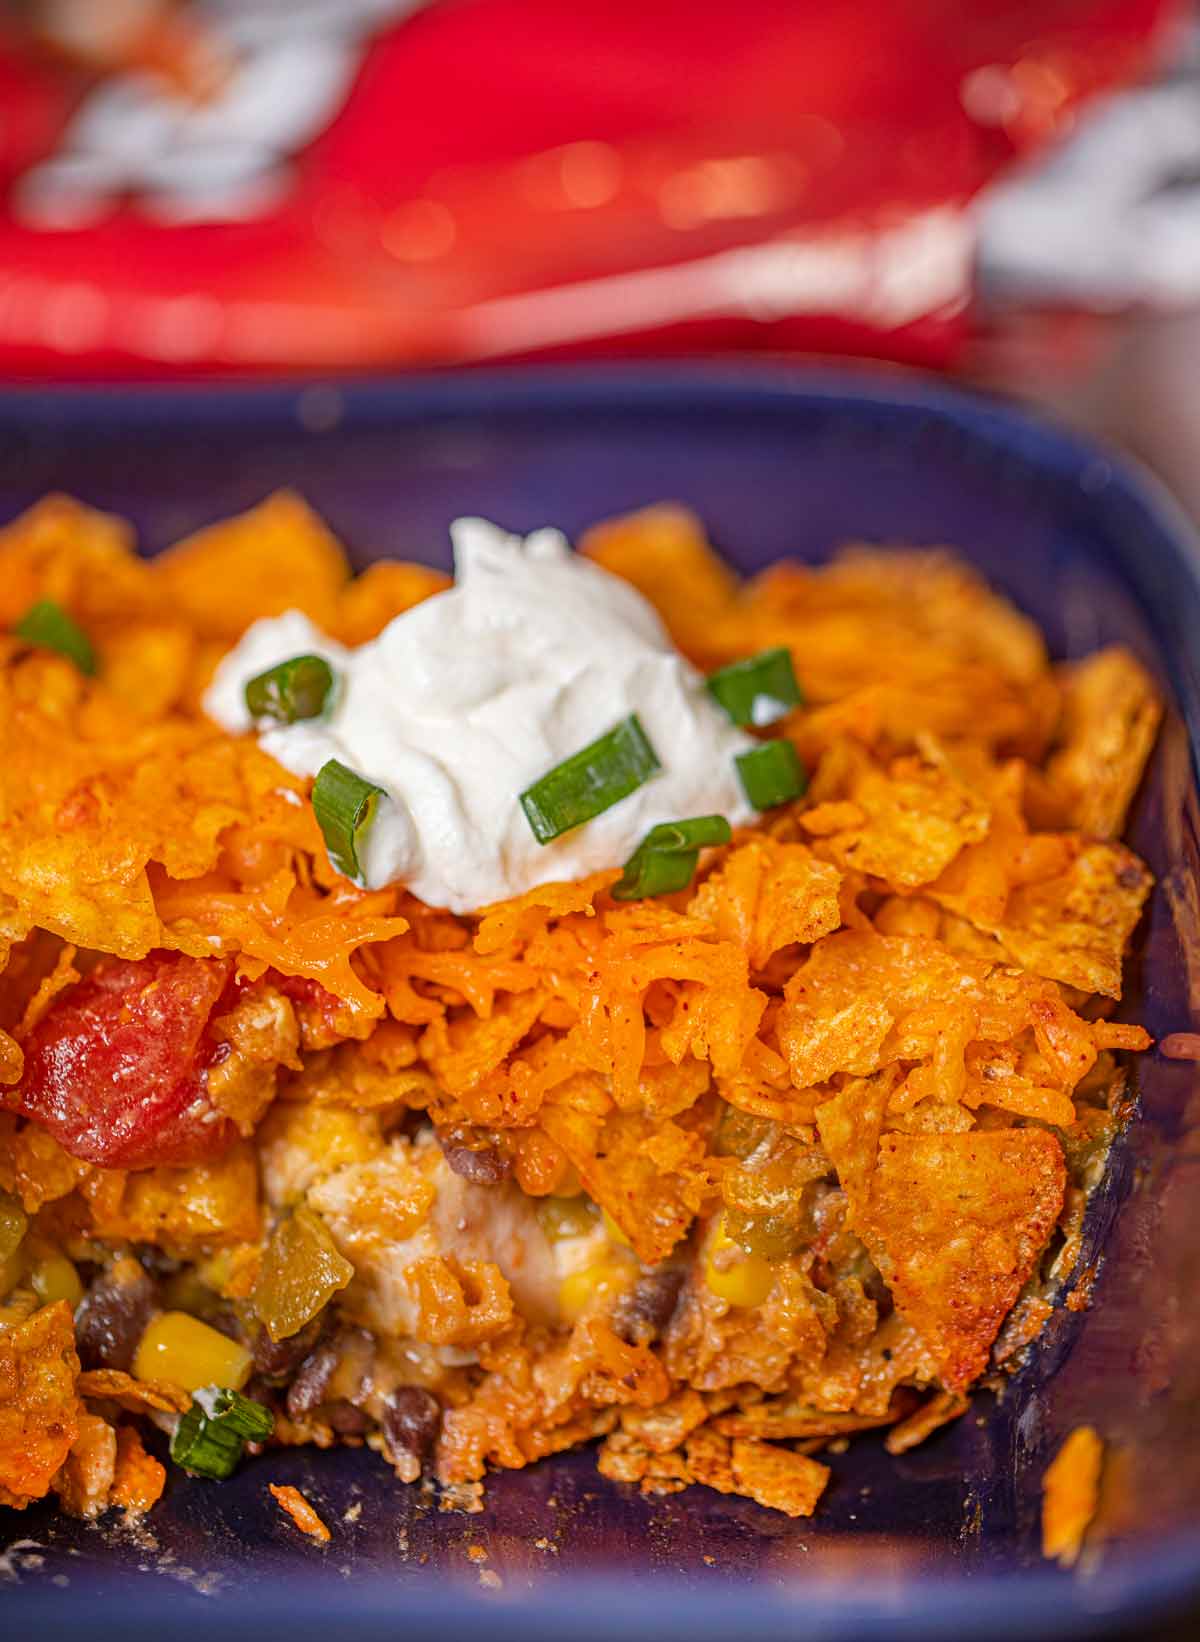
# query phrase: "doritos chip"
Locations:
[[39, 1409], [223, 578], [138, 1479], [911, 818], [956, 1223], [1071, 1493], [1110, 716], [113, 1385]]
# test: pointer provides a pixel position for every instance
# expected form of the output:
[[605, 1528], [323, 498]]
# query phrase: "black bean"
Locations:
[[482, 1166], [260, 1390], [345, 1418], [307, 1390], [640, 1316], [411, 1419], [113, 1314], [279, 1359]]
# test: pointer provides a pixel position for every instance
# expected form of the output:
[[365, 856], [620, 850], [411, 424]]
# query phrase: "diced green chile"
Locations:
[[771, 774], [14, 1223], [345, 805], [47, 625], [666, 858], [590, 781], [758, 690], [301, 1272], [290, 691]]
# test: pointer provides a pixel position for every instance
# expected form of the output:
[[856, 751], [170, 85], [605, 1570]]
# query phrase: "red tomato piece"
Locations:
[[117, 1068]]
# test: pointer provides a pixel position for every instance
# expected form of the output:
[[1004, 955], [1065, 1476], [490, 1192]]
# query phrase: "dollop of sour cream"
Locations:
[[467, 699]]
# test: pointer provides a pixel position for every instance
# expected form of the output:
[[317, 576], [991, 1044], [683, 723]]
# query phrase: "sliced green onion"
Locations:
[[758, 690], [590, 781], [252, 1421], [292, 690], [666, 858], [771, 774], [212, 1435], [345, 806], [47, 625], [207, 1447]]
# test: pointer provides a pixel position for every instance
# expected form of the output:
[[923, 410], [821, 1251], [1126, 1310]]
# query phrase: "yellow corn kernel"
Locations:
[[616, 1235], [562, 1217], [582, 1291], [187, 1352], [733, 1275], [53, 1277]]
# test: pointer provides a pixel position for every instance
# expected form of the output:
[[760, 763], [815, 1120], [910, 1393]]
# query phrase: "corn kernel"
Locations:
[[187, 1352], [53, 1277], [562, 1217], [581, 1291], [746, 1283], [733, 1275]]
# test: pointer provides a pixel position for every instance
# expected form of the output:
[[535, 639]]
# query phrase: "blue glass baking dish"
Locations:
[[940, 1543]]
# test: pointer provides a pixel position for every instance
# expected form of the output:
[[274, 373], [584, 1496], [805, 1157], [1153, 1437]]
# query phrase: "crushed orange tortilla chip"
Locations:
[[767, 895], [85, 1481], [139, 1478], [910, 819], [663, 551], [955, 1223], [293, 1502], [1070, 1494], [39, 1408], [134, 1396], [12, 1059], [228, 575], [1110, 717]]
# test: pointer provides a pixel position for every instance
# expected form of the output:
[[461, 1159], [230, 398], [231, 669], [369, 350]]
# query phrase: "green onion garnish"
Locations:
[[771, 774], [204, 1446], [345, 807], [47, 625], [211, 1436], [758, 690], [666, 858], [590, 781], [250, 1420], [290, 691]]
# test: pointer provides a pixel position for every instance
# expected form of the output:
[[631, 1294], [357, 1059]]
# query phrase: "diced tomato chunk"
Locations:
[[117, 1068]]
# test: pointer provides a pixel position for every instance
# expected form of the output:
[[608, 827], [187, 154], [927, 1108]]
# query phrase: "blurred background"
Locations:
[[1006, 191]]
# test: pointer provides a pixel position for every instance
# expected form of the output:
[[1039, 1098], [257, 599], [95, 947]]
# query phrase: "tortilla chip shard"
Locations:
[[955, 1223], [39, 1408]]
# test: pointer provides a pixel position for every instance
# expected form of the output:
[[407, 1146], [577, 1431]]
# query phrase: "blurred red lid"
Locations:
[[334, 185]]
